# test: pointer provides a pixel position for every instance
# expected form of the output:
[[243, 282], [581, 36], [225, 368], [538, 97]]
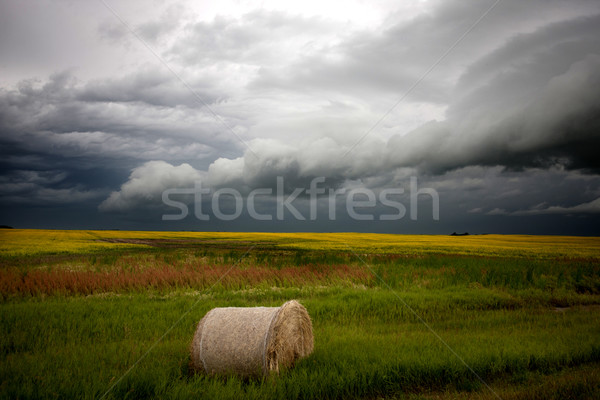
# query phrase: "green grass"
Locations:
[[529, 327], [366, 344]]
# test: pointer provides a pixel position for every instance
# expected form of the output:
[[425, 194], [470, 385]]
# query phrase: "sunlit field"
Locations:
[[98, 314]]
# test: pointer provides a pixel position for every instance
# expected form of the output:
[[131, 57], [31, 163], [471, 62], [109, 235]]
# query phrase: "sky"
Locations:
[[425, 117]]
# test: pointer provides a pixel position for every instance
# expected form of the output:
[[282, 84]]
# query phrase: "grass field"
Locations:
[[111, 314]]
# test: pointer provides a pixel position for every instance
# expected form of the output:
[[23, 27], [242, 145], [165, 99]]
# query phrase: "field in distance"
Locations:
[[111, 314]]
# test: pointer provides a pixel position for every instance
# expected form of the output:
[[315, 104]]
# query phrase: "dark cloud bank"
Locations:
[[514, 151]]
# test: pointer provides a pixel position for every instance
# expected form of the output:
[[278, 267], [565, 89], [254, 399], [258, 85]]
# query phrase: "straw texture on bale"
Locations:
[[251, 341]]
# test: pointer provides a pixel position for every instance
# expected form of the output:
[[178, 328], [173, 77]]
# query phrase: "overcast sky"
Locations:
[[494, 105]]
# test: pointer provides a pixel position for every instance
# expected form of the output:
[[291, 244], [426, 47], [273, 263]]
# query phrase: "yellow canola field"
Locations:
[[17, 242]]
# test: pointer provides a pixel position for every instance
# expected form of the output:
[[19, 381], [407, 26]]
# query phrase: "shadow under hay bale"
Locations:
[[251, 341]]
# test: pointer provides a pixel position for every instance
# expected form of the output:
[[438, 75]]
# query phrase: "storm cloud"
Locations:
[[240, 97]]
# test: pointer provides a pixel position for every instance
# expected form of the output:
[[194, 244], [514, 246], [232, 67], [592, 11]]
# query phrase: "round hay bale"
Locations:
[[251, 341]]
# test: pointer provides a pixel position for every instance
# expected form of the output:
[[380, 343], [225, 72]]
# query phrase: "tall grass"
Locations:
[[190, 268], [366, 345]]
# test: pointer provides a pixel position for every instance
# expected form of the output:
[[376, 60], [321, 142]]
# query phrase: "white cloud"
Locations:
[[147, 182]]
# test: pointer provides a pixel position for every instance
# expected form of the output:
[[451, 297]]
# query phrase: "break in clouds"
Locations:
[[506, 127]]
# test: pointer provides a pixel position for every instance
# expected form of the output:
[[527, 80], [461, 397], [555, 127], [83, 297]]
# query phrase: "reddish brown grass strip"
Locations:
[[62, 281]]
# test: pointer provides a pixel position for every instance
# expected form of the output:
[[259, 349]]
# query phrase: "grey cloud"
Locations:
[[170, 19], [51, 196], [497, 211], [152, 31], [43, 188], [113, 31], [498, 191], [105, 115], [496, 124], [117, 118], [557, 127], [153, 88], [23, 180], [528, 59], [390, 61], [258, 38], [589, 207], [511, 75]]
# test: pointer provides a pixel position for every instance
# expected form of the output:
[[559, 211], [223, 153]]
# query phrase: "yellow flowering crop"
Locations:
[[33, 241]]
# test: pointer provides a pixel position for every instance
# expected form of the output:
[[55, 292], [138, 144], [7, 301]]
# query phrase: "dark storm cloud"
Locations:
[[487, 190], [553, 121], [137, 117], [506, 125], [43, 187], [77, 127]]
